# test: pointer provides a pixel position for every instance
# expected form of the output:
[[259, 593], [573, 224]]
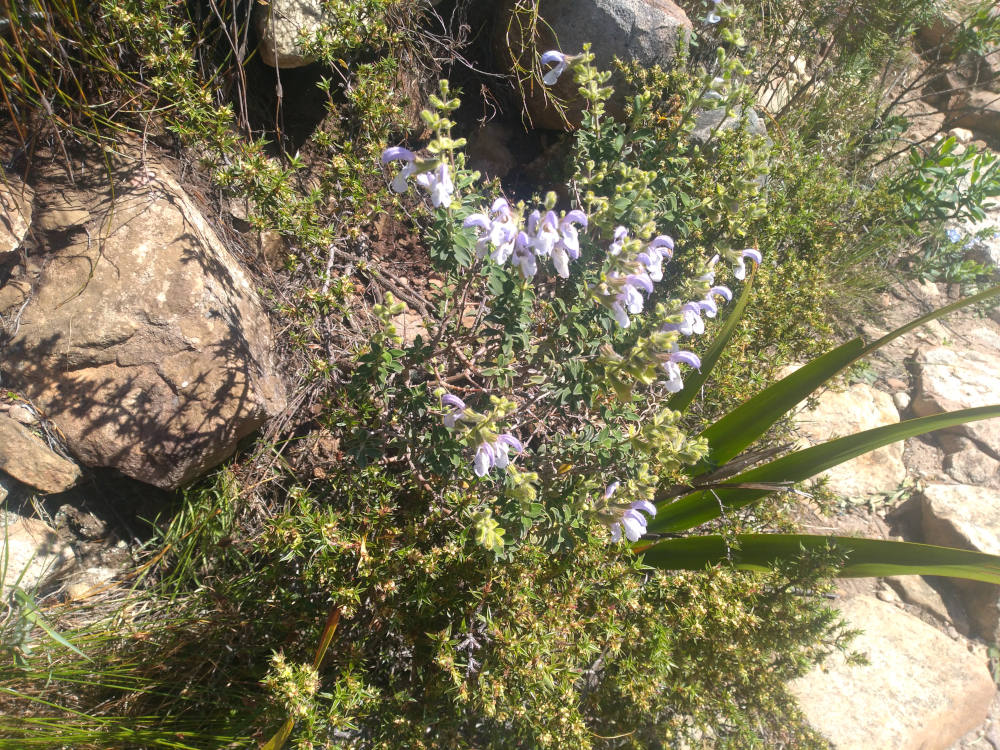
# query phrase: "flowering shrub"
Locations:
[[560, 378]]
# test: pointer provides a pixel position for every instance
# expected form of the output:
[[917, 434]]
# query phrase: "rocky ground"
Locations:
[[931, 642]]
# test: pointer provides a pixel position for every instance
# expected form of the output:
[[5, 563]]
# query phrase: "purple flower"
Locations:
[[523, 256], [498, 229], [632, 521], [457, 409], [621, 234], [740, 272], [708, 305], [672, 363], [398, 153], [690, 322], [493, 454], [560, 60], [484, 460], [653, 256], [953, 235], [438, 183], [629, 299], [567, 247], [544, 232]]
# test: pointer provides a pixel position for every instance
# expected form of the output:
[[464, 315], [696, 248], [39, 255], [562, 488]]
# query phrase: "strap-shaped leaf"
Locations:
[[693, 383], [705, 505], [864, 557], [730, 435]]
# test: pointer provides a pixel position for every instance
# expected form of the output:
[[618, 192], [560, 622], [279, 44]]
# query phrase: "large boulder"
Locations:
[[144, 341], [967, 517], [952, 378], [920, 690], [978, 111], [648, 32], [842, 413], [281, 26]]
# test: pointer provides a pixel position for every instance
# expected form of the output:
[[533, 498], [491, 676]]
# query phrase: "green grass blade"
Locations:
[[864, 557], [693, 383], [29, 611], [705, 505], [734, 432]]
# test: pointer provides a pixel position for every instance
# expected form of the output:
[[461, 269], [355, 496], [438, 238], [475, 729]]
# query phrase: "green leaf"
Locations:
[[707, 504], [683, 398], [730, 435], [864, 557]]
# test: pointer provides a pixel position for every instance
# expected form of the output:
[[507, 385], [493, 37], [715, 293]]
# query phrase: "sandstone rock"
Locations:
[[970, 465], [921, 689], [409, 325], [937, 32], [916, 591], [87, 582], [28, 459], [982, 243], [30, 547], [979, 111], [967, 517], [280, 25], [488, 151], [840, 413], [645, 31], [949, 379], [15, 213], [901, 400], [22, 414], [710, 123], [962, 135], [144, 342]]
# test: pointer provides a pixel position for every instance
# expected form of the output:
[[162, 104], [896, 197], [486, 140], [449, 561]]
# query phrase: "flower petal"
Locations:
[[688, 358], [447, 399], [645, 506], [511, 441], [484, 460], [397, 152]]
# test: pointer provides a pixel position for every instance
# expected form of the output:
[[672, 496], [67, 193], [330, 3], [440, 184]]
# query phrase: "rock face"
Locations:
[[921, 689], [280, 25], [26, 458], [959, 515], [711, 122], [648, 32], [948, 379], [15, 213], [144, 342], [30, 547], [969, 465], [840, 413], [979, 111]]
